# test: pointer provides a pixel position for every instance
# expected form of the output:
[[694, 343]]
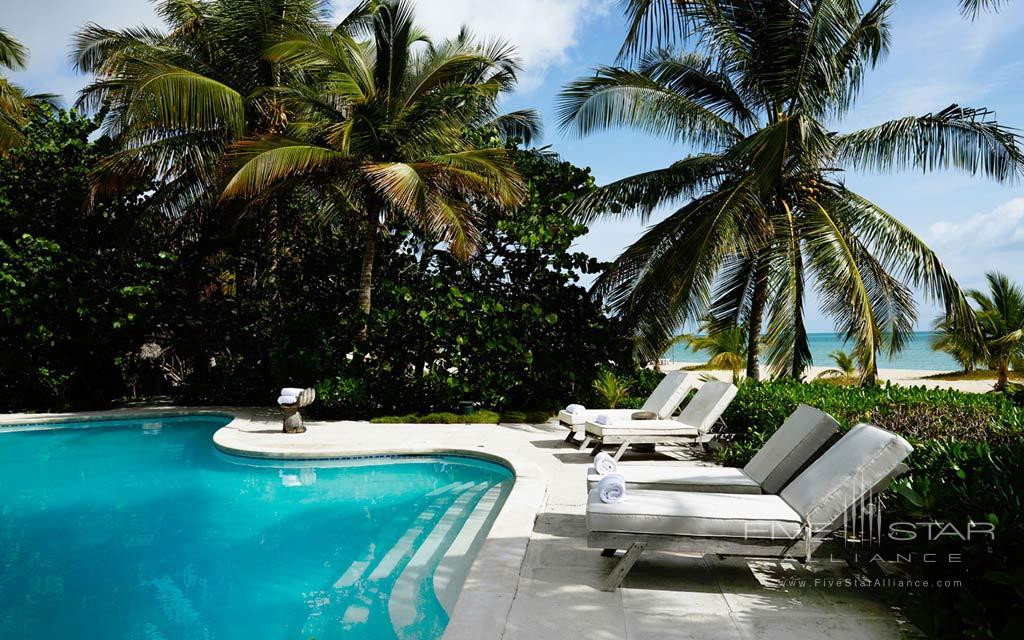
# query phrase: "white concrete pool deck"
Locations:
[[534, 577]]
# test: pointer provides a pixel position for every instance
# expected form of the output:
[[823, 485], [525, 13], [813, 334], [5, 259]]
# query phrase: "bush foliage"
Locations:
[[965, 468], [105, 302]]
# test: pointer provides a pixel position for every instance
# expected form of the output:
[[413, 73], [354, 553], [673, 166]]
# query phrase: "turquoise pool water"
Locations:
[[141, 530]]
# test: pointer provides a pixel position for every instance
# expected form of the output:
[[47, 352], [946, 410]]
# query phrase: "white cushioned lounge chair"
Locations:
[[791, 524], [663, 401], [801, 437], [691, 425]]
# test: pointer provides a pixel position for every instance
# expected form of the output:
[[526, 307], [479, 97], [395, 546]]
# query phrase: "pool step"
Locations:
[[406, 600], [320, 623], [357, 569], [451, 572]]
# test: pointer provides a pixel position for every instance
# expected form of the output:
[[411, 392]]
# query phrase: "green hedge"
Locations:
[[913, 412], [967, 466]]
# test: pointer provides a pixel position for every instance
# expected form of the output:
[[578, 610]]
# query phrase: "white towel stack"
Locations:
[[289, 395], [604, 464], [611, 488], [575, 408], [603, 419]]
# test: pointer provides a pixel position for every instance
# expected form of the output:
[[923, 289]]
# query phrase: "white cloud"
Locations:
[[988, 241], [543, 30], [46, 29], [996, 230]]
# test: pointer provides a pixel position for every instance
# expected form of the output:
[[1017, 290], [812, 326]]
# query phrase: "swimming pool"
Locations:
[[139, 529]]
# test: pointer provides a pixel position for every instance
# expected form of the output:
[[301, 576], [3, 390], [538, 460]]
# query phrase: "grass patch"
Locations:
[[526, 417], [440, 417], [977, 374], [481, 416]]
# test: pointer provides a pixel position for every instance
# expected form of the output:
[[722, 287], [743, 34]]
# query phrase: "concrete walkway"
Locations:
[[536, 578]]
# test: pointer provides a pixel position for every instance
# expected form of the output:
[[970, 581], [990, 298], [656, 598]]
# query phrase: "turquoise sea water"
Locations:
[[142, 531], [917, 354]]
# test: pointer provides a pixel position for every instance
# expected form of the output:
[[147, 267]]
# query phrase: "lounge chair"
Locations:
[[663, 401], [794, 445], [791, 524], [691, 425]]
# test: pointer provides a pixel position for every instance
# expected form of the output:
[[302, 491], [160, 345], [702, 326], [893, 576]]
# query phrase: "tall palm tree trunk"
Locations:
[[366, 275], [1004, 374], [758, 300], [870, 376]]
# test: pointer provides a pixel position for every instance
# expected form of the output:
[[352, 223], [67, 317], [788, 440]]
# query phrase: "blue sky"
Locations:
[[937, 58]]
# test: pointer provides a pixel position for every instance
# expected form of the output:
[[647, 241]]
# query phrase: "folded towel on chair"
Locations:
[[575, 408], [604, 419], [288, 399], [611, 488], [291, 391], [605, 464]]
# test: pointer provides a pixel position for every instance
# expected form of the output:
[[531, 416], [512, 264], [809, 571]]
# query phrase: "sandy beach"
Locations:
[[904, 377]]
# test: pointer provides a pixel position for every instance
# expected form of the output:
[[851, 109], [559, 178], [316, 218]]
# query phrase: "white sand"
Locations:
[[904, 377]]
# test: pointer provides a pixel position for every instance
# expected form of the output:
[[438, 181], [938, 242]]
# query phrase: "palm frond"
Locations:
[[618, 97], [964, 139], [13, 54], [665, 278], [264, 163], [973, 8], [645, 192], [524, 125]]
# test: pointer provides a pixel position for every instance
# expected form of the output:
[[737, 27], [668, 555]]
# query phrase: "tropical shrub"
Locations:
[[610, 390], [965, 468], [916, 413], [79, 294]]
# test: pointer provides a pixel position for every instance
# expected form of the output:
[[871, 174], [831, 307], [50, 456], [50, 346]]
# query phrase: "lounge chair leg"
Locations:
[[571, 437], [585, 443], [618, 574], [608, 553], [621, 450]]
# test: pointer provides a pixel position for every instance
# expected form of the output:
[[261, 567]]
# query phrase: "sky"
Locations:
[[937, 58]]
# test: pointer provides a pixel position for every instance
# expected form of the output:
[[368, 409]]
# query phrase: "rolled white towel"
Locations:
[[611, 488], [604, 419], [605, 464], [291, 391], [575, 408], [288, 399]]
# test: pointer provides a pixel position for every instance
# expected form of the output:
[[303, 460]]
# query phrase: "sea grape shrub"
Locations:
[[513, 327], [916, 413], [80, 291], [967, 467]]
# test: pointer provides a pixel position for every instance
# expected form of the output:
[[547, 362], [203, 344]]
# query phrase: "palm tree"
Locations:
[[1001, 318], [14, 104], [765, 213], [386, 131], [966, 348], [173, 101], [846, 365], [725, 346]]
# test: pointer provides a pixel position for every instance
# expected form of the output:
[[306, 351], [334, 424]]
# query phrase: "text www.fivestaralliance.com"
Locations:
[[843, 583]]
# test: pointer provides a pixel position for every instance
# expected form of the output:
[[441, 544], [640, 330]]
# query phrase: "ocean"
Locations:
[[917, 354]]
